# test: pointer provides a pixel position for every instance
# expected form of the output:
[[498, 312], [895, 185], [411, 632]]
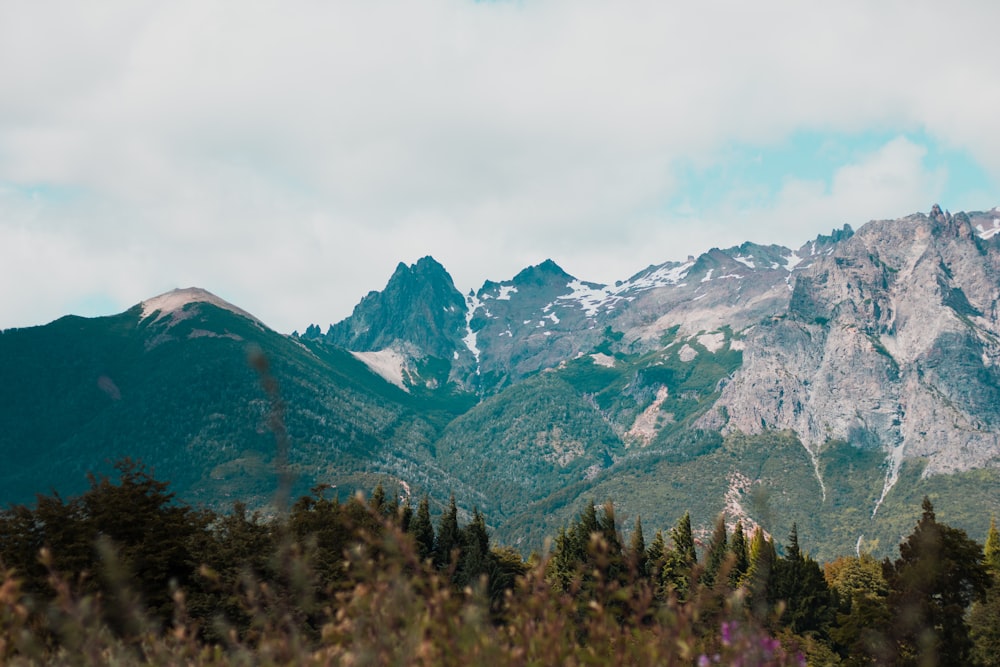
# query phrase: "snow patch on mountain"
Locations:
[[792, 261], [388, 364], [668, 274], [591, 298], [985, 234], [472, 304], [595, 298], [505, 292], [745, 261]]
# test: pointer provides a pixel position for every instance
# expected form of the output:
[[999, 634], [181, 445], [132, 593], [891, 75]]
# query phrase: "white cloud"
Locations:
[[327, 141], [887, 183]]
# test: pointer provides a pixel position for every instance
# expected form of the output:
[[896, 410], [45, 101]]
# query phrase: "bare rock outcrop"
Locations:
[[890, 342]]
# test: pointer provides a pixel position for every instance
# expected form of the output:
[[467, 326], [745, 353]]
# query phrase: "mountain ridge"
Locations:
[[825, 385]]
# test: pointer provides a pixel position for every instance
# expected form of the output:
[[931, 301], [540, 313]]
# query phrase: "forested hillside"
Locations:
[[125, 573]]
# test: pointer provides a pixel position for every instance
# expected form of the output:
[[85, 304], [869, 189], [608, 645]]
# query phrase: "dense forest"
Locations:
[[124, 573]]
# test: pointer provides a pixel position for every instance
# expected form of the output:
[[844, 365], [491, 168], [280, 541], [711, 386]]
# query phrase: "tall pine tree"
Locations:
[[423, 530], [637, 549], [762, 557], [938, 574], [715, 556], [448, 537], [741, 556], [800, 584], [679, 562], [655, 554]]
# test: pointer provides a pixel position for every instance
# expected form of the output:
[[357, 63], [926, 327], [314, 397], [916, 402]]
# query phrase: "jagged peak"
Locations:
[[542, 273], [424, 270], [427, 262], [423, 266], [835, 235], [176, 299]]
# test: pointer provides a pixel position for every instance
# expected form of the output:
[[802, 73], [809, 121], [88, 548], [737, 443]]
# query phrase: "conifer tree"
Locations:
[[586, 525], [679, 561], [423, 530], [563, 562], [637, 549], [654, 556], [574, 553], [715, 556], [378, 501], [861, 589], [447, 536], [392, 505], [793, 552], [741, 557], [991, 549], [405, 515], [938, 574], [762, 557], [683, 540], [799, 583], [475, 554], [609, 530]]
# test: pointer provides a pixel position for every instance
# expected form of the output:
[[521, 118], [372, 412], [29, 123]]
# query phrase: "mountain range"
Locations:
[[832, 386]]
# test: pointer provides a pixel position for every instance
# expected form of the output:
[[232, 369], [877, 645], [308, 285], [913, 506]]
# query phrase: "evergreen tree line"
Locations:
[[124, 567], [130, 543], [937, 604]]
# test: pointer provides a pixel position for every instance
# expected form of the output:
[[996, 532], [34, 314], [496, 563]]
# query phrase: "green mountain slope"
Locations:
[[178, 393]]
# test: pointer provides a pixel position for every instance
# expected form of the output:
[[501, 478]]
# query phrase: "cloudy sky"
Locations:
[[287, 155]]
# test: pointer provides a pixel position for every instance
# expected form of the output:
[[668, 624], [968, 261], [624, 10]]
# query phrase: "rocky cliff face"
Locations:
[[889, 342]]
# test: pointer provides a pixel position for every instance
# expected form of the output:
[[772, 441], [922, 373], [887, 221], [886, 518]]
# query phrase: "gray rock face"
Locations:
[[887, 339], [891, 341], [735, 287], [544, 316], [527, 324]]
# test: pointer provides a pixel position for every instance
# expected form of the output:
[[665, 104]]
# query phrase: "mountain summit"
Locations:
[[177, 300], [420, 309]]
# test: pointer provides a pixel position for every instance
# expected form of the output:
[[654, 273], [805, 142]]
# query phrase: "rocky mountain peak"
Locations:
[[420, 308], [546, 273]]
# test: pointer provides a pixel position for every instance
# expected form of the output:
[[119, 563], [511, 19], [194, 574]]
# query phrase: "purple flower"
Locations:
[[703, 661], [770, 645], [726, 633]]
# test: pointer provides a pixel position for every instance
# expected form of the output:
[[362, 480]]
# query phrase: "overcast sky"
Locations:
[[287, 155]]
